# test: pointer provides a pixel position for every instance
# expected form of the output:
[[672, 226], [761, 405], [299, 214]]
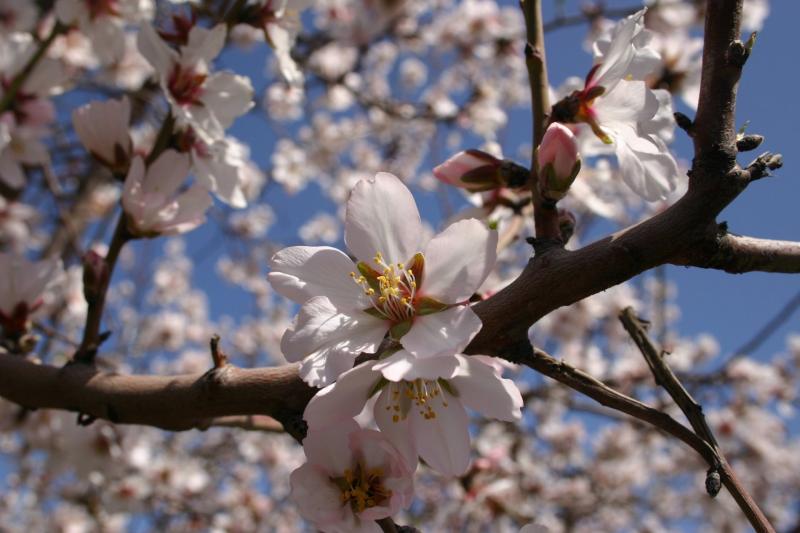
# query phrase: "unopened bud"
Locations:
[[473, 170], [95, 275], [745, 143], [557, 162], [566, 224]]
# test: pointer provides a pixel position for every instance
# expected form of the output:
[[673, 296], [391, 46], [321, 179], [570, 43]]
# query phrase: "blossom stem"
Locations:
[[545, 215], [22, 75], [91, 334]]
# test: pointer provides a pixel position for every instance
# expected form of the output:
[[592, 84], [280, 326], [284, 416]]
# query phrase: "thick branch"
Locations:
[[738, 254], [175, 403]]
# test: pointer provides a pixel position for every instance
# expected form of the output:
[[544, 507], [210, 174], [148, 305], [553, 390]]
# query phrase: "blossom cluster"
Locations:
[[140, 113]]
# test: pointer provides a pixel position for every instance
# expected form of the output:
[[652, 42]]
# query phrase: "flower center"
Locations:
[[421, 394], [362, 487], [186, 85], [392, 288]]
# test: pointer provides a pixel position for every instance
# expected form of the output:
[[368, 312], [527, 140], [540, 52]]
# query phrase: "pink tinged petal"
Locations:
[[342, 400], [559, 148], [316, 497], [302, 272], [453, 170], [442, 441], [156, 51], [330, 447], [458, 260], [443, 333], [404, 366], [382, 217], [480, 388], [229, 96]]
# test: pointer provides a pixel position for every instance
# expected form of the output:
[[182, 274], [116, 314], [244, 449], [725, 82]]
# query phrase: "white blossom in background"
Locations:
[[421, 404], [220, 165], [24, 287], [353, 477], [152, 201], [417, 292], [103, 22], [102, 127], [206, 101], [17, 16]]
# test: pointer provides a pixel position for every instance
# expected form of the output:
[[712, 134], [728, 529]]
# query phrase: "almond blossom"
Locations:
[[23, 288], [421, 403], [622, 112], [353, 477], [280, 21], [151, 199], [416, 292], [206, 101], [103, 128]]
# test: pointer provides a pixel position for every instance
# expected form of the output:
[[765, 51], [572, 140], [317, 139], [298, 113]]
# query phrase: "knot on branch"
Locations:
[[746, 143], [713, 482], [739, 52], [763, 164]]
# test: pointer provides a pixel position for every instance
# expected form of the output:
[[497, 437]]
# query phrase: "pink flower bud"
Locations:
[[472, 170], [557, 161], [95, 275]]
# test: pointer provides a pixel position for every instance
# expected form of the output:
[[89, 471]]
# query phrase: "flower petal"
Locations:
[[328, 341], [229, 96], [443, 333], [443, 441], [404, 366], [458, 260], [382, 217], [481, 389], [342, 400], [330, 447], [316, 497], [302, 272]]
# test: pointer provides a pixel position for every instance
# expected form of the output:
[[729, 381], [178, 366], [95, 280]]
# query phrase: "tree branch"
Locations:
[[168, 402], [694, 413], [545, 215], [738, 254]]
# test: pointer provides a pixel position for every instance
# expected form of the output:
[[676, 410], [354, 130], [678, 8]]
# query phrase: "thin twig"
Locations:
[[545, 215], [91, 333], [694, 413]]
